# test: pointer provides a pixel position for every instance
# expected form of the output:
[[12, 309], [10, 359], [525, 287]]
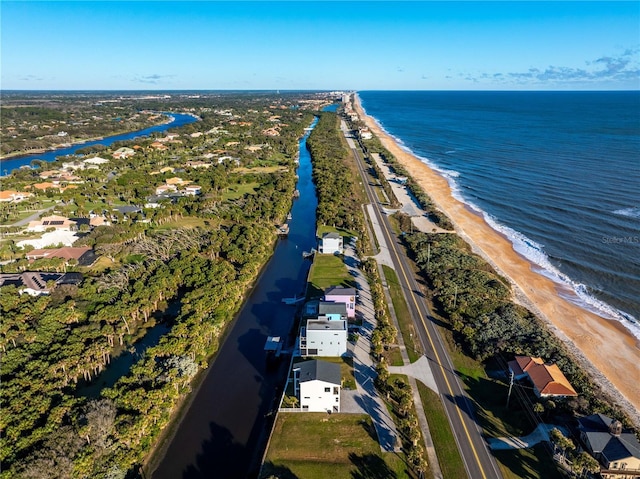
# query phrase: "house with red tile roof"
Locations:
[[547, 379], [11, 196]]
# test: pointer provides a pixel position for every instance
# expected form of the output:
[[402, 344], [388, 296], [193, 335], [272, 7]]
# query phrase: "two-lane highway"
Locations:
[[479, 462]]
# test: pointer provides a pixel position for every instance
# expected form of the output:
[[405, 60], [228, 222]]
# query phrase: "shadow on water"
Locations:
[[225, 430], [121, 364]]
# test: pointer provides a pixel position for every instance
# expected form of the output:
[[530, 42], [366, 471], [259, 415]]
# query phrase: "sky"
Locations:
[[332, 45]]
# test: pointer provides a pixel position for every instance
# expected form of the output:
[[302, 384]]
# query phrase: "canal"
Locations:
[[223, 434]]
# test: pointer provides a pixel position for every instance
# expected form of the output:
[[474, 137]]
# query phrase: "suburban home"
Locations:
[[192, 190], [547, 379], [199, 164], [323, 337], [98, 220], [59, 223], [73, 165], [332, 311], [96, 160], [85, 255], [176, 181], [11, 196], [37, 283], [365, 134], [336, 294], [124, 152], [164, 189], [331, 243], [617, 452], [317, 385]]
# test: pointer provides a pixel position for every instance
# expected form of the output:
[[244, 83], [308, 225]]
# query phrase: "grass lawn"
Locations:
[[185, 222], [393, 357], [260, 169], [402, 314], [346, 234], [320, 446], [444, 443], [327, 270], [238, 191], [101, 264]]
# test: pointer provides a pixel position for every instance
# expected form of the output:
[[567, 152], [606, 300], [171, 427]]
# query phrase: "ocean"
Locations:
[[558, 173]]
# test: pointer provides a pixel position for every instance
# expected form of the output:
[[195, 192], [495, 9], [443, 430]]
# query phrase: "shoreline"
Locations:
[[81, 141], [604, 348]]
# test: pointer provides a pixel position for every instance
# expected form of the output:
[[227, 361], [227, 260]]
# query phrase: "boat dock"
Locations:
[[283, 230]]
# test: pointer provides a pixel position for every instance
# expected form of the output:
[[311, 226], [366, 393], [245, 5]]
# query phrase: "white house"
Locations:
[[323, 337], [164, 189], [331, 243], [317, 385], [192, 190], [96, 160]]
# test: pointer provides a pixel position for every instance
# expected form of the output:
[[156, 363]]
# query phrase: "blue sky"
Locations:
[[320, 45]]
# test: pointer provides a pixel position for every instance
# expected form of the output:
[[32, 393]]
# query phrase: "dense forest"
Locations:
[[187, 264], [338, 201]]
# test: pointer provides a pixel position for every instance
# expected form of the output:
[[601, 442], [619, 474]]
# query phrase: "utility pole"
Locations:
[[428, 255], [510, 386]]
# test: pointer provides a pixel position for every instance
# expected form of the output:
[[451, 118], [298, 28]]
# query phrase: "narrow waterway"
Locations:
[[10, 164], [224, 432]]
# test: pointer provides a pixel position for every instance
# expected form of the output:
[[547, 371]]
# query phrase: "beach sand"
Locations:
[[604, 348]]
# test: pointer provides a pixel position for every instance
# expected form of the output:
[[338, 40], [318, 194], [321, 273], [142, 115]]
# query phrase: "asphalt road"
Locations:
[[479, 462]]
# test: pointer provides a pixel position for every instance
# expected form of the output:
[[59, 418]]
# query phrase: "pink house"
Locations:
[[336, 294]]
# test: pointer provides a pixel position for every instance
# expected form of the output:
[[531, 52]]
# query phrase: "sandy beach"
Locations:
[[603, 347]]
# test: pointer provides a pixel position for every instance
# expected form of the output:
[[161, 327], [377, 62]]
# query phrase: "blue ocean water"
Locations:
[[556, 172]]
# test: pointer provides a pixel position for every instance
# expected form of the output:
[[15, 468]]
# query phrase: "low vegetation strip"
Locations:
[[403, 315], [443, 440]]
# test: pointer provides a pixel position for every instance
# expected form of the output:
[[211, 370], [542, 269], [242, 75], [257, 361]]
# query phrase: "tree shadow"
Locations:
[[369, 429], [370, 466], [273, 471]]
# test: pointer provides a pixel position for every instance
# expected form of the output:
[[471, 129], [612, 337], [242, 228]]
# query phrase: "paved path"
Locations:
[[410, 204], [539, 434], [365, 398], [420, 370]]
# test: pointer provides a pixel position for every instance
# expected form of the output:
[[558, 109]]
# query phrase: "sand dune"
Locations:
[[603, 347]]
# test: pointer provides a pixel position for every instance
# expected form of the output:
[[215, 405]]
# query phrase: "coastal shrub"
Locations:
[[52, 345], [477, 303], [335, 182]]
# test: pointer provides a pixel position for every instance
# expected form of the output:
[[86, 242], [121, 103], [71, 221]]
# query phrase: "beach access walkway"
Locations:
[[539, 434]]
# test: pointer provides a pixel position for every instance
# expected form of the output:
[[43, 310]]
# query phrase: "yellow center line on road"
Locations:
[[473, 449]]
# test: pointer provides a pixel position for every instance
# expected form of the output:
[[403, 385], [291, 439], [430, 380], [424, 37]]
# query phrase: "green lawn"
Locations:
[[402, 314], [327, 270], [238, 191], [185, 222], [320, 446], [443, 441]]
